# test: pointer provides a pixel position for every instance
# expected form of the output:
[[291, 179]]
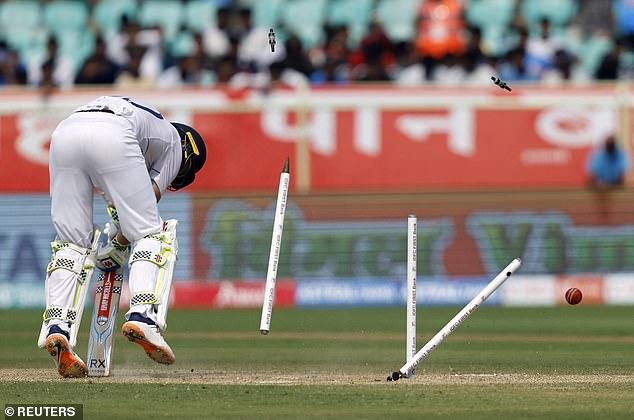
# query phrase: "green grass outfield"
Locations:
[[542, 363]]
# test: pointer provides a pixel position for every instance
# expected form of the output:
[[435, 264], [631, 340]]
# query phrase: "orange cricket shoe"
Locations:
[[69, 365]]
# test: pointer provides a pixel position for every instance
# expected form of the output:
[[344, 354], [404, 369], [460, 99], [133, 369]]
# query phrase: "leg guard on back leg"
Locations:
[[157, 253], [79, 263]]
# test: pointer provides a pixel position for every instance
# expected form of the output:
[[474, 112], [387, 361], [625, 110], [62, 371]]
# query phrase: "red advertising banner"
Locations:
[[369, 138], [229, 294]]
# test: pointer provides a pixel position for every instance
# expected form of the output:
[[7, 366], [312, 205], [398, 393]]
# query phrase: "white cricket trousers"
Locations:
[[99, 149]]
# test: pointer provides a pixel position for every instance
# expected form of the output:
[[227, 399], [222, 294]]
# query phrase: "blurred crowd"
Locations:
[[446, 49]]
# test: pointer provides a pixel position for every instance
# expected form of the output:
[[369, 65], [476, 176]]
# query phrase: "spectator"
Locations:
[[98, 69], [12, 70], [334, 53], [566, 69], [479, 74], [450, 71], [226, 69], [607, 165], [296, 57], [609, 68], [186, 71], [216, 39], [376, 47], [152, 40], [338, 46], [131, 75], [61, 69], [276, 75], [131, 36], [47, 83], [440, 28], [254, 53], [372, 71], [540, 49], [412, 72], [522, 38], [119, 44], [279, 74], [205, 61], [374, 56], [443, 40], [513, 68], [332, 71], [473, 48]]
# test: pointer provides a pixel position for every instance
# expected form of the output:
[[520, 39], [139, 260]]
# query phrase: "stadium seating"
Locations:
[[199, 14], [305, 18], [493, 17], [76, 46], [107, 14], [592, 51], [182, 44], [165, 14], [559, 12], [266, 13], [482, 13], [398, 18], [355, 14], [66, 16], [15, 13], [67, 20], [20, 25], [27, 24]]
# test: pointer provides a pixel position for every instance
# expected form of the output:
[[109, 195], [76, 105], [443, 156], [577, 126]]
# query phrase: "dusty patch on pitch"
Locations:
[[264, 377], [192, 376]]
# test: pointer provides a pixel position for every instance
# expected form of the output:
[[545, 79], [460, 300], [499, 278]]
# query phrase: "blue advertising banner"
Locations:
[[348, 292], [389, 292], [454, 291], [26, 231]]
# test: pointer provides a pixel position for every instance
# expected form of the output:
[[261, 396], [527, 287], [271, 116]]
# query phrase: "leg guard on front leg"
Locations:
[[70, 269], [151, 270]]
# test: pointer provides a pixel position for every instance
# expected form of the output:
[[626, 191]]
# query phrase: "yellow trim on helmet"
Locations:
[[193, 143]]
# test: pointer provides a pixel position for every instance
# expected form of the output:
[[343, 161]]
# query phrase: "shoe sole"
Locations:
[[157, 353], [69, 365]]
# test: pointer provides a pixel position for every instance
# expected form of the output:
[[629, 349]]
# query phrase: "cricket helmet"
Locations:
[[194, 156]]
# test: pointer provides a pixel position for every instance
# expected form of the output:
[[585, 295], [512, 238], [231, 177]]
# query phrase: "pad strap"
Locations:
[[154, 257], [56, 245], [57, 312], [75, 261], [144, 298], [66, 263]]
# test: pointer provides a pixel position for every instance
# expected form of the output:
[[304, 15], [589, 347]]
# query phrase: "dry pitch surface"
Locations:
[[219, 377]]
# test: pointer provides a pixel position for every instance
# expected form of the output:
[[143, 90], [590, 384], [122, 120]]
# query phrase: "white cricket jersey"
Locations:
[[158, 140]]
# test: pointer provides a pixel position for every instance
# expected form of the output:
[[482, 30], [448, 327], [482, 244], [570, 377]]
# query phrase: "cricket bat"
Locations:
[[104, 322]]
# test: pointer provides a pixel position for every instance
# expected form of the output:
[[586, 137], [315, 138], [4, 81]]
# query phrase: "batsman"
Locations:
[[131, 154]]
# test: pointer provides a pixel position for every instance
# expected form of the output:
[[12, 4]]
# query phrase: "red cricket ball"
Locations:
[[573, 296]]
